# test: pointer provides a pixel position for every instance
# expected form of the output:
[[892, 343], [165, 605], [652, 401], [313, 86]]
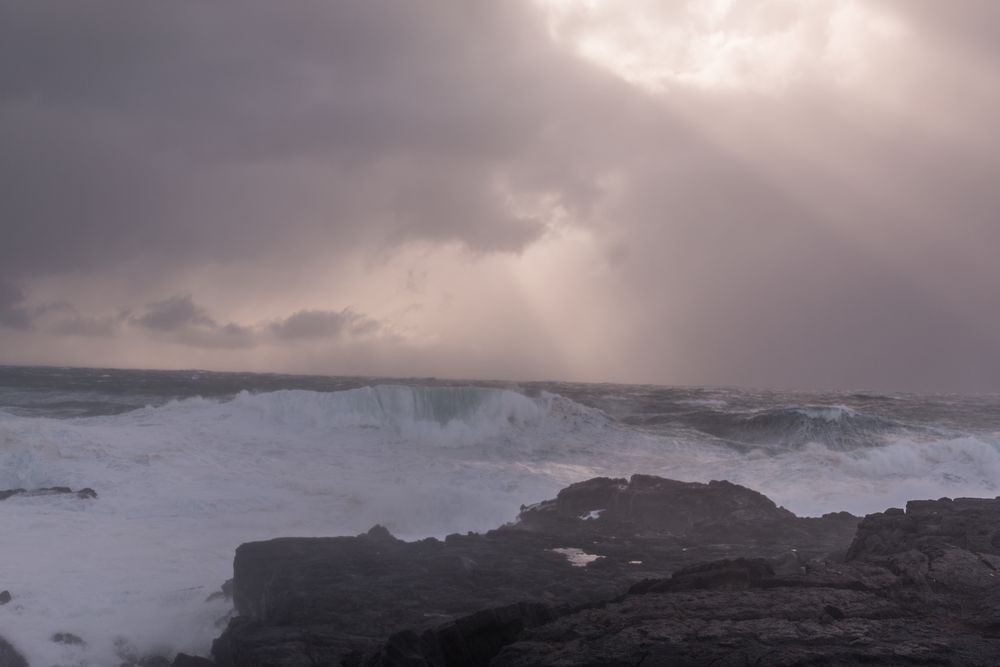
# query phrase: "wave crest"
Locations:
[[398, 407]]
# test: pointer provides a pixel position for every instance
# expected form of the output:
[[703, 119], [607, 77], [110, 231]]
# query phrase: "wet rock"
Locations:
[[68, 638], [698, 515], [687, 574], [131, 657], [337, 600], [472, 640], [184, 660], [225, 592], [85, 493], [921, 587], [9, 657], [972, 524]]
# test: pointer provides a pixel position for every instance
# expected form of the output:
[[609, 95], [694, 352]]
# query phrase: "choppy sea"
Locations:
[[189, 464]]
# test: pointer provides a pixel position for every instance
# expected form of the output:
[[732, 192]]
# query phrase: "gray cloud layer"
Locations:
[[818, 237]]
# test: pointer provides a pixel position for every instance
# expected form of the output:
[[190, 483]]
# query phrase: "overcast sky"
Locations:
[[771, 193]]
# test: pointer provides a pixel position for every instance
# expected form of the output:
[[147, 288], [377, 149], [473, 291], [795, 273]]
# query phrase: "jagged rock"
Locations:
[[964, 523], [68, 638], [85, 493], [336, 600], [921, 587], [131, 657], [472, 640], [717, 513], [9, 657], [915, 586], [184, 660], [740, 613], [225, 592]]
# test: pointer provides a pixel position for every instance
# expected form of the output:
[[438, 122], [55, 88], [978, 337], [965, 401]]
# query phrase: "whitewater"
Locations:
[[188, 465]]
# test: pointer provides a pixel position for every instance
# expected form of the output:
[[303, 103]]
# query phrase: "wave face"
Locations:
[[189, 465], [835, 426], [407, 409]]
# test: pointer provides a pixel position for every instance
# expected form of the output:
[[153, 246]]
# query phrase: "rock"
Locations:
[[739, 574], [184, 660], [48, 491], [964, 523], [472, 640], [332, 600], [68, 638], [922, 586], [131, 657], [686, 574], [9, 657], [4, 597], [773, 622], [718, 513], [146, 661], [225, 592]]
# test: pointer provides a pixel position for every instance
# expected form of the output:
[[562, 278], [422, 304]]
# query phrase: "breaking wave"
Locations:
[[447, 414]]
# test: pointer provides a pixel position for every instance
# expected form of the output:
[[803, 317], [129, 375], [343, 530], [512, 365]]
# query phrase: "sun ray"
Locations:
[[721, 45]]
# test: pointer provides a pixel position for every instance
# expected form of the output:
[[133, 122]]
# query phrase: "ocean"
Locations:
[[189, 464]]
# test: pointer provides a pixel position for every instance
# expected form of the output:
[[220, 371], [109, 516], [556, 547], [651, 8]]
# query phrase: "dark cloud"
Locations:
[[181, 133], [819, 235], [174, 314], [180, 320], [312, 324]]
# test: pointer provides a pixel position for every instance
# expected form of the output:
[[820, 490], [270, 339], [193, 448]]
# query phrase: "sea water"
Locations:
[[189, 464]]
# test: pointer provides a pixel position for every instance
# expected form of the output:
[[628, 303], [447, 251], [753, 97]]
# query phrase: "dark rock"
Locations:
[[147, 661], [184, 660], [68, 638], [964, 523], [921, 587], [48, 491], [739, 574], [4, 597], [718, 513], [9, 657], [130, 657], [472, 640], [688, 574], [225, 592], [338, 599]]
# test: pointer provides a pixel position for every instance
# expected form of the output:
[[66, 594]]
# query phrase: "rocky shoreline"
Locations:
[[623, 572]]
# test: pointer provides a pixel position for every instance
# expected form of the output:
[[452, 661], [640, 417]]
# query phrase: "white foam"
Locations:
[[829, 413], [577, 557], [707, 402]]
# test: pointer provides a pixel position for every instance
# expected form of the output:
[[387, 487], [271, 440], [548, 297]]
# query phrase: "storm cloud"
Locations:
[[764, 193]]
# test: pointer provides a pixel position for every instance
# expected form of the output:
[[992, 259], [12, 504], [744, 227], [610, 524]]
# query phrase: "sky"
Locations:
[[762, 193]]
